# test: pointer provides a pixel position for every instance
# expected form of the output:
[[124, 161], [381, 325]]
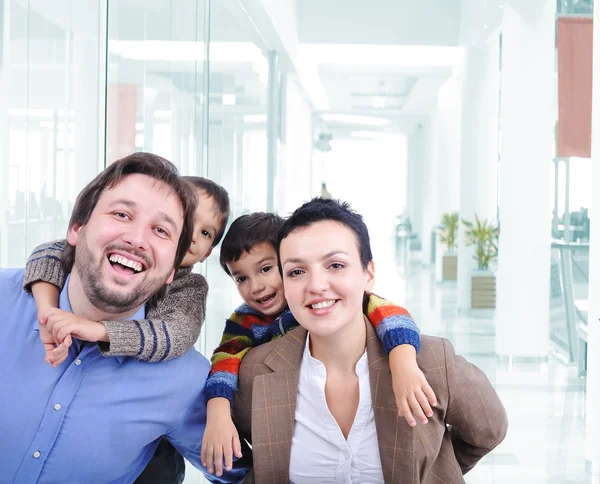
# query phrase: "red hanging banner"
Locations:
[[575, 45]]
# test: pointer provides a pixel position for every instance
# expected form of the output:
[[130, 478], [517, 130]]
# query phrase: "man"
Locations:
[[317, 405], [95, 419]]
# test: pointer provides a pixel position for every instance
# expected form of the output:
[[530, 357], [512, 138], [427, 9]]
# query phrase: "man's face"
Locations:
[[258, 281], [126, 250], [207, 223], [323, 277]]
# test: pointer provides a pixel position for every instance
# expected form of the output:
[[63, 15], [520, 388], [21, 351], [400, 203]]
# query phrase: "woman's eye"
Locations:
[[122, 215], [337, 265], [295, 273], [265, 269]]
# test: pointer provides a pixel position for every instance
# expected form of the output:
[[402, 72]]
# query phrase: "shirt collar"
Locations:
[[317, 368], [65, 305]]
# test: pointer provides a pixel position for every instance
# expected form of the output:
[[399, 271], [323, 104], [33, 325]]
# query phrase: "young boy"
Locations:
[[174, 317], [248, 255]]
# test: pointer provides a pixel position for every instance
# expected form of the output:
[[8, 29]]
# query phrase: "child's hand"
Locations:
[[62, 325], [412, 392], [221, 438]]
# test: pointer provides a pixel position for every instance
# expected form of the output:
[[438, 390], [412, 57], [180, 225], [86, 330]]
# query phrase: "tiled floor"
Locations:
[[545, 402]]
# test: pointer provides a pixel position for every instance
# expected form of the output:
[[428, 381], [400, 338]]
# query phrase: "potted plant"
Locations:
[[447, 236], [484, 236]]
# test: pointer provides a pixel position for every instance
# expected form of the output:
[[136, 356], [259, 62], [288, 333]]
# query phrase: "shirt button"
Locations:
[[78, 362], [57, 407], [37, 454]]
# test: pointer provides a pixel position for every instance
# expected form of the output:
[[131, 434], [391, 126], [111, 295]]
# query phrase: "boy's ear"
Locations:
[[206, 255], [73, 234], [370, 277]]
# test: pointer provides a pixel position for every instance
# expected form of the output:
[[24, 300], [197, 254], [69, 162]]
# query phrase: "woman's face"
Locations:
[[323, 277]]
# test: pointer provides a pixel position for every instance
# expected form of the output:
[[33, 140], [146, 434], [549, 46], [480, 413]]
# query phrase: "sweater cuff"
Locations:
[[214, 389], [125, 339], [42, 269], [401, 336]]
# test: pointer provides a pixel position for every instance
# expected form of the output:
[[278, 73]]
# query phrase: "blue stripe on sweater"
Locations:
[[167, 342], [154, 340], [221, 384], [142, 339], [52, 257], [400, 336]]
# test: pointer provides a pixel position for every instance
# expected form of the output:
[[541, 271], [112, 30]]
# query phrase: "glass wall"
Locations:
[[51, 116]]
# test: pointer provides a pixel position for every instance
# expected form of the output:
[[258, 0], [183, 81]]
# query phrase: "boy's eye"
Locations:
[[206, 234], [265, 269], [240, 279], [295, 273]]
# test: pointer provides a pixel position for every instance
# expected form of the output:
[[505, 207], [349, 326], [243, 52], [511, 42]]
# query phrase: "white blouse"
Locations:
[[320, 453]]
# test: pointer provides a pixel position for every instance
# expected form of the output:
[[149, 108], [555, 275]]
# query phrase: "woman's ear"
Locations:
[[73, 234], [370, 282]]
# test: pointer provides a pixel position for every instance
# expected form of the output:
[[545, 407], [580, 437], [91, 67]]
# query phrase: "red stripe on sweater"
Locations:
[[382, 312], [227, 365]]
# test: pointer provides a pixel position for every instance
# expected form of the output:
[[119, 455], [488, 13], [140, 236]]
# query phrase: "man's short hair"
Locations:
[[246, 232], [147, 164], [322, 210], [220, 198]]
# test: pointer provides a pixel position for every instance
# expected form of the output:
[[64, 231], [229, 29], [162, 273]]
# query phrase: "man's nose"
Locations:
[[137, 235]]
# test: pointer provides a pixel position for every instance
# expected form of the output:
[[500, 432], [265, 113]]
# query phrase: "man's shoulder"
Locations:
[[12, 277]]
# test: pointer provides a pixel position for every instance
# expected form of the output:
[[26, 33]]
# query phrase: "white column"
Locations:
[[592, 421], [448, 157], [430, 189], [479, 151], [416, 179], [523, 276]]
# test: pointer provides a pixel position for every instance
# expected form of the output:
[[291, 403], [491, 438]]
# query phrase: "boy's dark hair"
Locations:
[[220, 197], [320, 210], [143, 164], [246, 232]]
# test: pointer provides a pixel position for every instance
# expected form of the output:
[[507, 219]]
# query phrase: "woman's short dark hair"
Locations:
[[147, 164], [321, 210], [246, 232], [220, 198]]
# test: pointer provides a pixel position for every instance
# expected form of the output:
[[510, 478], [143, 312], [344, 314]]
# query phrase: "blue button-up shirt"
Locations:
[[92, 419]]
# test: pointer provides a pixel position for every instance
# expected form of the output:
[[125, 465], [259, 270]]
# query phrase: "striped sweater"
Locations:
[[247, 328], [174, 320]]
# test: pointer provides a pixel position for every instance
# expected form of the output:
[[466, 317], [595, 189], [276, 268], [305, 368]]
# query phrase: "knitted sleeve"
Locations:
[[238, 339], [172, 327], [44, 265], [394, 324]]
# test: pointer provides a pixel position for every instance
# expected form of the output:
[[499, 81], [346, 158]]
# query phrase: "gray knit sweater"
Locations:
[[173, 323]]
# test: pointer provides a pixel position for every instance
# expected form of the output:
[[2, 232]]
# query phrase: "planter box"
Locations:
[[449, 266], [483, 290]]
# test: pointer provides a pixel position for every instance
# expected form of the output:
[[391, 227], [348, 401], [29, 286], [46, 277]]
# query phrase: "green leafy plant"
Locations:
[[447, 230], [484, 236]]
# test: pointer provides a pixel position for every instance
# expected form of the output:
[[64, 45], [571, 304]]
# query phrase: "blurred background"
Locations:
[[460, 129]]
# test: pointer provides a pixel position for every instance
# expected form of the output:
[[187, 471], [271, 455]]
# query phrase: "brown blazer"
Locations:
[[468, 422]]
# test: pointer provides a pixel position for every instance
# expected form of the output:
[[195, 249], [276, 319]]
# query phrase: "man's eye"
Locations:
[[266, 269], [206, 234], [161, 232]]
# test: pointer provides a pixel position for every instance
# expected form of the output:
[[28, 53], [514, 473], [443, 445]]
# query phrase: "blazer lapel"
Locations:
[[274, 408], [395, 436]]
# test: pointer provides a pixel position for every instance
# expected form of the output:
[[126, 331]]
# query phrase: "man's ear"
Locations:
[[73, 234], [370, 276], [206, 255], [170, 278]]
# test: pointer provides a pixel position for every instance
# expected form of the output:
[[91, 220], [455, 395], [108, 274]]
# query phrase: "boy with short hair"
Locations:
[[249, 257]]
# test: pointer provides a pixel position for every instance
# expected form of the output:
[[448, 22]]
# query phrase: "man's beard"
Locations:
[[108, 300]]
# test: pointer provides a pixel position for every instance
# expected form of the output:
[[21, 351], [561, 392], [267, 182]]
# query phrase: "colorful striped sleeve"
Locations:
[[394, 324], [239, 336]]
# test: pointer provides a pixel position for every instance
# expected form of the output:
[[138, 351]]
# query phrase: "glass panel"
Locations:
[[575, 7], [237, 156], [51, 114], [155, 79]]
